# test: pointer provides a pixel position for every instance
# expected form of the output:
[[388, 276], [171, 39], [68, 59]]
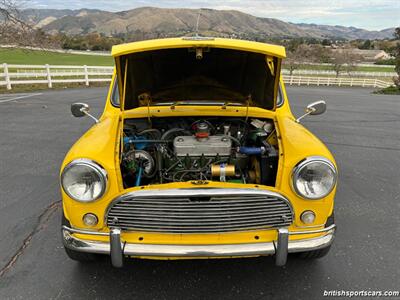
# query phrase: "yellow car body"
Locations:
[[102, 142]]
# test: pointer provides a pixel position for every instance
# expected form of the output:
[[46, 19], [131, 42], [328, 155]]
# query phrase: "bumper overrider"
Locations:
[[118, 248]]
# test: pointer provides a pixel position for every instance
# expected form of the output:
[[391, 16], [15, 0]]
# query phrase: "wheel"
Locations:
[[77, 255], [313, 254], [81, 256]]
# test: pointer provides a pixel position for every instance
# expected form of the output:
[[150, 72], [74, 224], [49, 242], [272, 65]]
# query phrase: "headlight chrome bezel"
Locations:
[[97, 168], [299, 167]]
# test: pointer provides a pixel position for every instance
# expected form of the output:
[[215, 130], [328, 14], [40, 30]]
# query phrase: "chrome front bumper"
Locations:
[[118, 249]]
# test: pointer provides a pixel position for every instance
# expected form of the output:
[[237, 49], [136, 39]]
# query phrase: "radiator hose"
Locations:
[[252, 150]]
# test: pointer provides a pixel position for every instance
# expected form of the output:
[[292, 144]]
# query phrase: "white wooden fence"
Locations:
[[333, 81], [333, 73], [11, 75]]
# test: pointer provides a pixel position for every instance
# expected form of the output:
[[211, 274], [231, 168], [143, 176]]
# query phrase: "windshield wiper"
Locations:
[[172, 105], [176, 103], [228, 103]]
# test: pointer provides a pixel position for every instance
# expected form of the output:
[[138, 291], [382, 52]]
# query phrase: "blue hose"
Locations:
[[252, 150], [139, 176], [136, 140]]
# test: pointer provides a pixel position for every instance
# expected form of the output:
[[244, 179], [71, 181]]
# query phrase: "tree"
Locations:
[[326, 42], [15, 30], [366, 45], [302, 54], [396, 79], [343, 60], [296, 58], [293, 44], [318, 54], [397, 50], [386, 45]]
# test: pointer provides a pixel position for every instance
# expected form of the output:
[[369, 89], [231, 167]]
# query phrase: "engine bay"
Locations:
[[224, 149]]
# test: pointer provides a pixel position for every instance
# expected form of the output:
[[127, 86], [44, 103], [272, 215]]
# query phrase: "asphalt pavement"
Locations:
[[361, 129]]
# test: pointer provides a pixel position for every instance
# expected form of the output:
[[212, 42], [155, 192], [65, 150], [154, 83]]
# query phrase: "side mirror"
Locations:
[[79, 110], [315, 108]]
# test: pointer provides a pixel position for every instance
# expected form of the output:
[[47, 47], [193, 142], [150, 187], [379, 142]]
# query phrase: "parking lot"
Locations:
[[361, 129]]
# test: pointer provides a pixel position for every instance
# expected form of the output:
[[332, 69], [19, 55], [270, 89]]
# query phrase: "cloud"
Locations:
[[369, 14]]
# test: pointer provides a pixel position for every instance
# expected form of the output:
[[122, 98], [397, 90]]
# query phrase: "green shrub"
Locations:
[[391, 90], [390, 61]]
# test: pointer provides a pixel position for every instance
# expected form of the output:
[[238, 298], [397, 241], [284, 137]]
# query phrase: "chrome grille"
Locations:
[[199, 211]]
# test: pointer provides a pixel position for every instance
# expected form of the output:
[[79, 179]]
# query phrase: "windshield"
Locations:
[[183, 75]]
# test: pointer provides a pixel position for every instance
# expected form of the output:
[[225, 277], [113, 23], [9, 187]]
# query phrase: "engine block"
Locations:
[[211, 146]]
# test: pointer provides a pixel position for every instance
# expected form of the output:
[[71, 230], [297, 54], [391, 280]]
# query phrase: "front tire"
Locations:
[[314, 254], [82, 257]]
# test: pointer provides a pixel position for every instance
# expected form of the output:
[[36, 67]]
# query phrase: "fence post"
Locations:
[[340, 81], [318, 81], [291, 80], [375, 83], [49, 83], [329, 79], [351, 82], [363, 83], [86, 75], [7, 76]]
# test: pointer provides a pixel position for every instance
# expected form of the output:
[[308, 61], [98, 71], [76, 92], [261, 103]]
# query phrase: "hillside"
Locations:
[[151, 22]]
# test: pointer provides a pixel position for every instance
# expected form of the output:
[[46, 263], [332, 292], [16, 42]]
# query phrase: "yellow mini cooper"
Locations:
[[197, 155]]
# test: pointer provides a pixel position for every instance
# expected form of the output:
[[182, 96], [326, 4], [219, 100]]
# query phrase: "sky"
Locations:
[[367, 14]]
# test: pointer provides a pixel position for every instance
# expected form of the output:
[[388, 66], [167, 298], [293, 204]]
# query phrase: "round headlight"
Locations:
[[84, 180], [314, 178]]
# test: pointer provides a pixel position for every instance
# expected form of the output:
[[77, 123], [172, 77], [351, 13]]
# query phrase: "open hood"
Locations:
[[201, 71]]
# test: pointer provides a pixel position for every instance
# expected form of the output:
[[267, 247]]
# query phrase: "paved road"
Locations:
[[361, 129]]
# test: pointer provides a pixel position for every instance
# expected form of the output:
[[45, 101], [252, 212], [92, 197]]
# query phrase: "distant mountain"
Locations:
[[350, 33], [36, 15], [163, 22]]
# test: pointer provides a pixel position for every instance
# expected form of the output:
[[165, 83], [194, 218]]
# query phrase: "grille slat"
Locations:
[[216, 212], [204, 226], [199, 200], [196, 221], [191, 208], [184, 201], [206, 214], [192, 205]]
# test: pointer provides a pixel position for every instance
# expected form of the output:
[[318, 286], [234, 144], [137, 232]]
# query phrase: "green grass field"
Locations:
[[37, 57], [358, 68]]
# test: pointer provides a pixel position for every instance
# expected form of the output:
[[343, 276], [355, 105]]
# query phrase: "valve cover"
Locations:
[[211, 146]]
